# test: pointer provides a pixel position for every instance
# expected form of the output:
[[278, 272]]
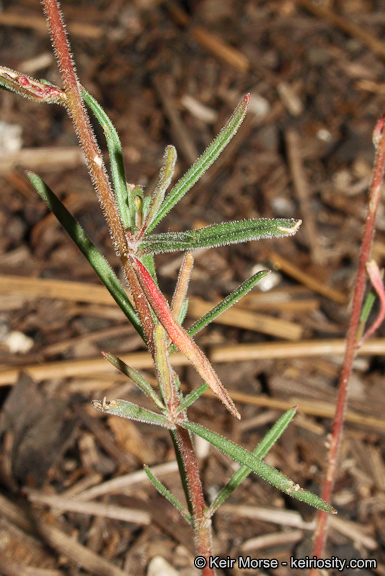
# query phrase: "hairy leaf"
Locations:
[[38, 91], [220, 235], [164, 180], [131, 411], [260, 452], [179, 336], [136, 378], [203, 163], [255, 464], [94, 257], [123, 199]]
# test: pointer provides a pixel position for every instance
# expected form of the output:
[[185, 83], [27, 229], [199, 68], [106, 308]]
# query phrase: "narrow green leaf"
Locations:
[[131, 411], [183, 312], [260, 452], [367, 306], [226, 303], [148, 261], [94, 257], [136, 378], [262, 469], [365, 312], [123, 199], [164, 181], [220, 235], [167, 494], [192, 397], [146, 205], [203, 163], [377, 280]]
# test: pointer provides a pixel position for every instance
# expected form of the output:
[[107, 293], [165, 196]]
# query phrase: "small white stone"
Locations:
[[199, 110], [268, 282], [202, 447], [10, 138], [159, 567], [259, 105], [18, 342], [324, 135]]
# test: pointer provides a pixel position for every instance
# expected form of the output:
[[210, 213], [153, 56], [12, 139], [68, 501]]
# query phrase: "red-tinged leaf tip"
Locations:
[[379, 131], [180, 338]]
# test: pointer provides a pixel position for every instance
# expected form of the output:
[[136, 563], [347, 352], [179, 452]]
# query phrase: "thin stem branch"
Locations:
[[95, 162], [202, 524], [82, 125], [352, 344]]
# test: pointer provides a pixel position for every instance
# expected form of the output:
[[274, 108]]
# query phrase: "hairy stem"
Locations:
[[202, 524], [94, 161], [82, 125], [352, 344]]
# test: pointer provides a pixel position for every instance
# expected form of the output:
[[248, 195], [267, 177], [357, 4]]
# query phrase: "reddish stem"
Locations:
[[82, 125], [352, 345], [202, 524], [94, 162]]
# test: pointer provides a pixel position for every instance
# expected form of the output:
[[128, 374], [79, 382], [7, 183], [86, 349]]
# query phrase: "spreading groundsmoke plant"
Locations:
[[132, 218]]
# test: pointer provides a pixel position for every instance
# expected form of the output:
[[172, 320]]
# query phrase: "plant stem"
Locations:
[[95, 163], [202, 524], [352, 344], [82, 125]]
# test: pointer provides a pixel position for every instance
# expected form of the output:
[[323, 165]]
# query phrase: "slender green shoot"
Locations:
[[168, 495], [94, 257], [260, 452], [203, 163], [260, 468]]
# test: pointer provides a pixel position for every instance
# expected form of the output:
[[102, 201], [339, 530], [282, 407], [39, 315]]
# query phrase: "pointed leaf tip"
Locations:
[[179, 336], [291, 229], [203, 163], [221, 234]]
